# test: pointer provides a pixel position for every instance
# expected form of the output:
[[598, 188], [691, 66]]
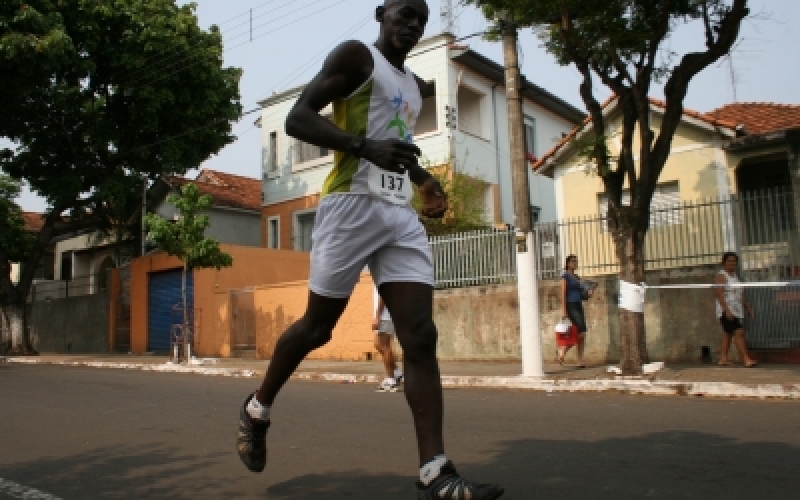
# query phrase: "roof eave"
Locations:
[[759, 140], [282, 96]]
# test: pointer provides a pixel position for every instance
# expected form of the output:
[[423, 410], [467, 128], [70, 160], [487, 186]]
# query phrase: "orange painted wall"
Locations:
[[251, 267], [278, 306], [285, 211]]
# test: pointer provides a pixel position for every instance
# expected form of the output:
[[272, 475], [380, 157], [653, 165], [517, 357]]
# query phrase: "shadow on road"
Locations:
[[661, 465], [128, 472]]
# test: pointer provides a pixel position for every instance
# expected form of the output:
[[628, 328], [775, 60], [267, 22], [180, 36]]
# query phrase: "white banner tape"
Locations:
[[755, 284], [631, 296]]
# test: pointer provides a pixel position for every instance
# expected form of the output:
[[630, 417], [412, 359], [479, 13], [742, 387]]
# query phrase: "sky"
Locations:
[[290, 38]]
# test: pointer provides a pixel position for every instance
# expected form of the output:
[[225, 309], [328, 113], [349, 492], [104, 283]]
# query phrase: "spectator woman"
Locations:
[[730, 306], [572, 307]]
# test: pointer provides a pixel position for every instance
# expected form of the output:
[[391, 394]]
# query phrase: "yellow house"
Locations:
[[732, 182]]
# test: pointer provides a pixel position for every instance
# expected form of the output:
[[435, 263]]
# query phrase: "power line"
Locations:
[[188, 132], [159, 59], [196, 57], [358, 26], [321, 54]]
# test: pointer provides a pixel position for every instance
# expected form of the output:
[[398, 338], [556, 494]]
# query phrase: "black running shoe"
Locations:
[[251, 441], [450, 486]]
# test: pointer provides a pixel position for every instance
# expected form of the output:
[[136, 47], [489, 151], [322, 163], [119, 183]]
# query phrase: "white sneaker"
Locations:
[[388, 385]]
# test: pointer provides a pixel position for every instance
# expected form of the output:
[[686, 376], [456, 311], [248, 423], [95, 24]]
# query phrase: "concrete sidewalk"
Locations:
[[765, 381]]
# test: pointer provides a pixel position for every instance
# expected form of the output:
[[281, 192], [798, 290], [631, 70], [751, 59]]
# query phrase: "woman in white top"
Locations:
[[730, 310]]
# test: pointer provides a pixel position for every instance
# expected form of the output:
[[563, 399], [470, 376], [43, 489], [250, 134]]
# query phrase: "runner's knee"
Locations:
[[420, 341], [317, 333]]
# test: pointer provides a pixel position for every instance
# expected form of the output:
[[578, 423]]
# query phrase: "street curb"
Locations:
[[623, 386]]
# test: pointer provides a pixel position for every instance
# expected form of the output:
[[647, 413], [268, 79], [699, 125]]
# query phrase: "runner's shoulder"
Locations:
[[351, 55]]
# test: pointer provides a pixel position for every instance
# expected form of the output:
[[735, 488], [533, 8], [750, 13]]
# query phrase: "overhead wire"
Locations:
[[159, 59], [162, 72], [322, 53]]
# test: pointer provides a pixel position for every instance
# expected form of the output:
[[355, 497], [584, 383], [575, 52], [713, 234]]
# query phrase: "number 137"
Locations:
[[391, 182]]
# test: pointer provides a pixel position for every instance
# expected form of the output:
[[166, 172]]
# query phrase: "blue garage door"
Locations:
[[164, 306]]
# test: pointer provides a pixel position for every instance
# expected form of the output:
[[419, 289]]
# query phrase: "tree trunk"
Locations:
[[633, 346], [185, 329], [5, 332], [16, 320]]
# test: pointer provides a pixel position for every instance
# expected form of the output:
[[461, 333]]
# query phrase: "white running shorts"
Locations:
[[356, 230]]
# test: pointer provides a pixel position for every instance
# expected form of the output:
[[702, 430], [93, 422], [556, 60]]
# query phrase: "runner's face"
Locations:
[[403, 22], [730, 264]]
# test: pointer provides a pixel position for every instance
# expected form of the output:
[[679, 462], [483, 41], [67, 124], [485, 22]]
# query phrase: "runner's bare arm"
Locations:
[[347, 67]]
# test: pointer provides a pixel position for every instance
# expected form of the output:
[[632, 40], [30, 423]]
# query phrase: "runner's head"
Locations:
[[402, 23]]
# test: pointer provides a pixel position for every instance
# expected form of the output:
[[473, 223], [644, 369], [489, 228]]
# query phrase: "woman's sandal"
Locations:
[[720, 363], [751, 364]]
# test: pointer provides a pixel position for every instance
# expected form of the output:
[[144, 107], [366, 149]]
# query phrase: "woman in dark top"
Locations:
[[572, 307]]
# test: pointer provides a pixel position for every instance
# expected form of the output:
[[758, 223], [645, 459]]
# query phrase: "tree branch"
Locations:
[[678, 84], [707, 25]]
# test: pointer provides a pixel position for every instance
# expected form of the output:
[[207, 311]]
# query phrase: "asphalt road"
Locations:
[[76, 433]]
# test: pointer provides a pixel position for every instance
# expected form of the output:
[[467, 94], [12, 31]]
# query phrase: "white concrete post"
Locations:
[[528, 291]]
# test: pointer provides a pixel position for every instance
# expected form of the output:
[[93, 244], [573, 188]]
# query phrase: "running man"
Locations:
[[384, 331], [364, 218]]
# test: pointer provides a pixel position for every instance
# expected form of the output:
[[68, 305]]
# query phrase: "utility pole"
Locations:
[[527, 283], [448, 17]]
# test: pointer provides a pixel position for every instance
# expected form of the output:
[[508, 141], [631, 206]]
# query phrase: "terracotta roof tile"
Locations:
[[227, 190], [33, 221], [760, 117]]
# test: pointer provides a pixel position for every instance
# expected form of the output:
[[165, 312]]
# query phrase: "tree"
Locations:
[[15, 242], [127, 90], [466, 205], [621, 42], [185, 238]]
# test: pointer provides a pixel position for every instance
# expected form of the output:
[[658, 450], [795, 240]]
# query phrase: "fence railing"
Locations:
[[474, 258], [75, 287], [761, 226]]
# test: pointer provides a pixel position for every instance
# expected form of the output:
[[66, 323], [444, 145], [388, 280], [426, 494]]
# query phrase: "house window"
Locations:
[[470, 104], [305, 152], [269, 155], [530, 135], [535, 213], [426, 121], [274, 232], [665, 207], [303, 225]]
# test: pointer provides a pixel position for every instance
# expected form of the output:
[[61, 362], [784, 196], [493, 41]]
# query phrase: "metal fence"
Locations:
[[474, 258], [760, 226], [62, 289]]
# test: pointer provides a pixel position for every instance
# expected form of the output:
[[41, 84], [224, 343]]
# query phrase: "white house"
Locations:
[[466, 121]]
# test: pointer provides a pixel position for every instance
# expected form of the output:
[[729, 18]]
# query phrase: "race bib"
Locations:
[[392, 187]]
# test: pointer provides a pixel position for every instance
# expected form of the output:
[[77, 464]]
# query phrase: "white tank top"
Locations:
[[733, 297], [386, 106]]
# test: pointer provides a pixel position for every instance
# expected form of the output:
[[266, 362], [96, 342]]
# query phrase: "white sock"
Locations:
[[257, 410], [398, 373], [431, 470]]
